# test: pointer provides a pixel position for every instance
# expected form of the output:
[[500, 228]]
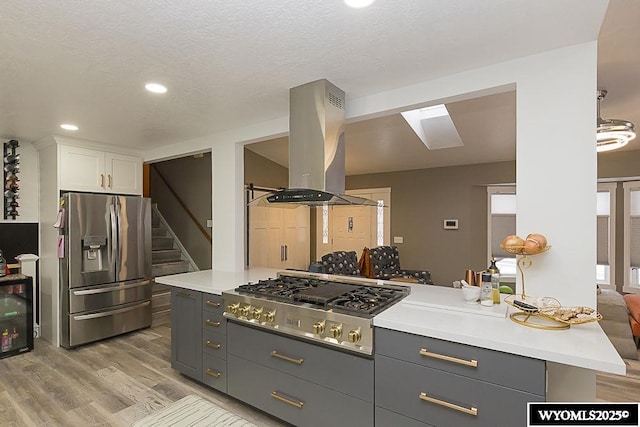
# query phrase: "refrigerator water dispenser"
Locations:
[[94, 253]]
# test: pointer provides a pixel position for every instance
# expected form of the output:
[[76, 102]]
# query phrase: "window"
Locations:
[[605, 232], [631, 236], [502, 223]]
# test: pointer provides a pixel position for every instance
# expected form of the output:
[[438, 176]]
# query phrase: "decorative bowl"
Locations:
[[471, 294]]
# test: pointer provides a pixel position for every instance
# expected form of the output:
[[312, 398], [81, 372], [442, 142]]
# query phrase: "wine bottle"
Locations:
[[12, 167], [13, 158]]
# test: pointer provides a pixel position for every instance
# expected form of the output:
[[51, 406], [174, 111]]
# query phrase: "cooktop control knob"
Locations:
[[233, 308], [245, 310], [256, 313], [336, 331], [270, 316], [355, 335], [318, 327]]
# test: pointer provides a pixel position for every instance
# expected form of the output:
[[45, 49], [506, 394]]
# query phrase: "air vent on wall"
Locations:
[[336, 101]]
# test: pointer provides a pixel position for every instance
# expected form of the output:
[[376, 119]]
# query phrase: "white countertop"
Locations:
[[441, 312], [584, 346], [214, 282]]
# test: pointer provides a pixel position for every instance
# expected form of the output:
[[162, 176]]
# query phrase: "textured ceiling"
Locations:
[[229, 64]]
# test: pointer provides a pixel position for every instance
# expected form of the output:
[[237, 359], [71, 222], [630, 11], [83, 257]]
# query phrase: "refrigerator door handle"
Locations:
[[110, 312], [114, 238], [111, 288]]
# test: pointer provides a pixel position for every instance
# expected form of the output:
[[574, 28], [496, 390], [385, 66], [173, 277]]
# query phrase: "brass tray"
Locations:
[[577, 319]]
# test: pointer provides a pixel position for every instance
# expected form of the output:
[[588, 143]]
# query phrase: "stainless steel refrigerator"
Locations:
[[105, 266]]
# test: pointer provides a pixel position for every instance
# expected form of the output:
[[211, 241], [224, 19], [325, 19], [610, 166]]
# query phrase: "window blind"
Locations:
[[634, 246], [502, 225]]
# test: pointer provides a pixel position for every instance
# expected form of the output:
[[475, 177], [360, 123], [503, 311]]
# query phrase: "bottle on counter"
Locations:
[[3, 265], [486, 290], [5, 342], [495, 281]]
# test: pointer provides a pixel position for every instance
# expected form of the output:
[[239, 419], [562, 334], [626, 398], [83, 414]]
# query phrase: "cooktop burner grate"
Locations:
[[366, 299]]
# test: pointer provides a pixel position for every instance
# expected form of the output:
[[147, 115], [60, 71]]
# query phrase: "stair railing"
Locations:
[[203, 230], [183, 252]]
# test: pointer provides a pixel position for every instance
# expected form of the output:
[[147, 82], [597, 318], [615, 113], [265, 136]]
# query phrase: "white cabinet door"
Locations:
[[81, 169], [123, 174]]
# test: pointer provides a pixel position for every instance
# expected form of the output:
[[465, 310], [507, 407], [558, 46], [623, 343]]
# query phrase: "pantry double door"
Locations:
[[279, 237]]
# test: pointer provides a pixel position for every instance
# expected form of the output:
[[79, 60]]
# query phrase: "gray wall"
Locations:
[[190, 177], [262, 172], [422, 199]]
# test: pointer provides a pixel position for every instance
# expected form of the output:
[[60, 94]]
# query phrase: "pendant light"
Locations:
[[612, 134]]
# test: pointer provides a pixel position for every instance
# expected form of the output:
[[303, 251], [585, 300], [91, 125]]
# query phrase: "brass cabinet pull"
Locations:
[[212, 303], [101, 180], [213, 373], [184, 293], [285, 400], [109, 180], [473, 363], [287, 358], [471, 411], [212, 323], [214, 346]]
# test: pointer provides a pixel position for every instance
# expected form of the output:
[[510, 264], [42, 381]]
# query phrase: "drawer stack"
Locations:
[[214, 342], [301, 383], [425, 381]]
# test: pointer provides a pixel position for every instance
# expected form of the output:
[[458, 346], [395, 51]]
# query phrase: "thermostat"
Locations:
[[450, 224]]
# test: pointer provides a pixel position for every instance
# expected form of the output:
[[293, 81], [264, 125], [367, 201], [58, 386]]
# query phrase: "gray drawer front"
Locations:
[[399, 385], [214, 322], [505, 369], [344, 372], [212, 303], [385, 418], [254, 384], [214, 372], [214, 344]]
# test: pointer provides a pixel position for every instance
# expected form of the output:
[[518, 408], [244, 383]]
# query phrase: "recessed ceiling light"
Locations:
[[155, 88], [67, 126], [358, 4]]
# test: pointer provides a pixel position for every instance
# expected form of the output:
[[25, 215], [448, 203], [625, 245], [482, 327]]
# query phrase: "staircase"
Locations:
[[167, 257]]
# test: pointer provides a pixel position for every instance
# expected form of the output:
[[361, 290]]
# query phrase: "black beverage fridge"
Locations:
[[16, 315]]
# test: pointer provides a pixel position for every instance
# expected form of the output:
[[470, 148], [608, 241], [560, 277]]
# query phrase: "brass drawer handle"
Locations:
[[109, 181], [473, 363], [101, 180], [212, 323], [184, 293], [212, 304], [287, 358], [285, 400], [471, 411], [214, 346], [213, 373]]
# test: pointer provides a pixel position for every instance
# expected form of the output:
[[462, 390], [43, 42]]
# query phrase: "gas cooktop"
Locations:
[[336, 312]]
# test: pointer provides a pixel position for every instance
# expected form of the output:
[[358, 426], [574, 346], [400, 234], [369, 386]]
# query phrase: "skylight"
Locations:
[[434, 127]]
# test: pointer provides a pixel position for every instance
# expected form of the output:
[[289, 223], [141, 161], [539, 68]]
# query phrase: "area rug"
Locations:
[[192, 411]]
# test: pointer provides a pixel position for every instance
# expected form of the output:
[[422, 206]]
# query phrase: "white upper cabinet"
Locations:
[[85, 169]]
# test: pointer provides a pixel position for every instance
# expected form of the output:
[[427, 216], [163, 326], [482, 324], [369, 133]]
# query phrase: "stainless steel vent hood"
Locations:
[[316, 149]]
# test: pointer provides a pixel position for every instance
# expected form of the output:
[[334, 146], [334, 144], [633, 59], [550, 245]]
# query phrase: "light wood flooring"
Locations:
[[118, 381], [620, 388], [110, 383]]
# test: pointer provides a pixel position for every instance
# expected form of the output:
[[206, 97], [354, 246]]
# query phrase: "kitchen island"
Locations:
[[501, 356]]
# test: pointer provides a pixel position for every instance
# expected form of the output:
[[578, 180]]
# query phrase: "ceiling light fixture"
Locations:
[[358, 4], [612, 134], [67, 126], [155, 88]]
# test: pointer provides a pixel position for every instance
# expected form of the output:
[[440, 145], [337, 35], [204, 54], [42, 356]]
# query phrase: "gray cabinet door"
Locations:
[[510, 370], [186, 332], [299, 402], [443, 399], [214, 372], [349, 374]]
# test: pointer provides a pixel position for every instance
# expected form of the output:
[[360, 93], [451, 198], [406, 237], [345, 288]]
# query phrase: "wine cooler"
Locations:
[[16, 315]]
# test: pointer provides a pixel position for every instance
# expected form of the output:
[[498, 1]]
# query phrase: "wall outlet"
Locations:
[[210, 223], [398, 239]]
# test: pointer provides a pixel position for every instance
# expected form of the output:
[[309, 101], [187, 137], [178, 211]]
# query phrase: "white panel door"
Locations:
[[123, 174], [352, 228], [296, 238], [81, 169]]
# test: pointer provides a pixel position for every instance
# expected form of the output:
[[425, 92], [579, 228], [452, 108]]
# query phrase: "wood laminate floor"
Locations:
[[110, 383], [118, 381]]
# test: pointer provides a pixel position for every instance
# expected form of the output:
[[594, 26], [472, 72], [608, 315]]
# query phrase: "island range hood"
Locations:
[[316, 150]]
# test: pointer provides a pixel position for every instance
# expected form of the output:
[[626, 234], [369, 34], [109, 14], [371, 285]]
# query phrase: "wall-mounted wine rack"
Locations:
[[11, 186]]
